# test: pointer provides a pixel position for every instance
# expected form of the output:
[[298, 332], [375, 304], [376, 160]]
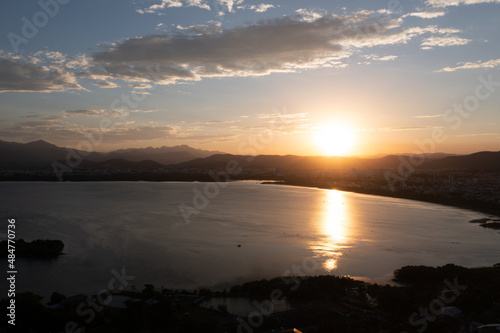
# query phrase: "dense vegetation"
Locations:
[[38, 248], [320, 304]]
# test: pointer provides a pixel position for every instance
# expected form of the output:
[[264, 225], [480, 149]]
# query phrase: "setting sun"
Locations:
[[335, 139]]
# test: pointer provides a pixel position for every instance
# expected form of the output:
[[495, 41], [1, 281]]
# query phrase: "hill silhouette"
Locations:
[[39, 155]]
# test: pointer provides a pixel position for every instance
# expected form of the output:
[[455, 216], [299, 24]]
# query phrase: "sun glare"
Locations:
[[335, 139]]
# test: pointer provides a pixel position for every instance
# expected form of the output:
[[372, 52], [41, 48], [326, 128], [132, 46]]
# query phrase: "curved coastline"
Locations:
[[477, 206]]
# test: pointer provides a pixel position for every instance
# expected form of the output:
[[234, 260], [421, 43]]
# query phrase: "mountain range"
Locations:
[[40, 155], [481, 161]]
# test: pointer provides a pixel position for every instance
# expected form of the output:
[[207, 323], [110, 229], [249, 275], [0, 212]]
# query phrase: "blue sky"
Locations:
[[251, 76]]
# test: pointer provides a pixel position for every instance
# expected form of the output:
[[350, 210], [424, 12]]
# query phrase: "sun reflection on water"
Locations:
[[333, 225]]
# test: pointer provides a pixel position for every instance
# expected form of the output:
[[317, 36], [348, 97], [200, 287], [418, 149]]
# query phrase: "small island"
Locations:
[[491, 223], [35, 249]]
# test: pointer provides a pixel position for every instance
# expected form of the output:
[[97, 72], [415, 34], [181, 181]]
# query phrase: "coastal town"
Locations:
[[477, 190]]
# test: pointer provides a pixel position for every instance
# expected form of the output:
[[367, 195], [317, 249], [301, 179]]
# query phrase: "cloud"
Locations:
[[309, 15], [164, 4], [208, 138], [47, 127], [219, 6], [95, 113], [283, 116], [260, 8], [58, 131], [141, 86], [17, 75], [60, 61], [405, 128], [271, 46], [429, 116], [214, 122], [144, 111], [426, 15], [473, 65], [99, 112], [105, 84], [212, 28], [384, 58], [477, 134], [139, 92], [230, 4], [447, 3], [443, 41], [130, 132]]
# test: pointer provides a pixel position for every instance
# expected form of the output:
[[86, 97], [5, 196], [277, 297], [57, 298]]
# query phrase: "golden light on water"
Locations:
[[330, 265], [334, 223], [335, 216]]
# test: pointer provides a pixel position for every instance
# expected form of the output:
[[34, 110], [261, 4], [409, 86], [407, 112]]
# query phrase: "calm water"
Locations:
[[138, 225]]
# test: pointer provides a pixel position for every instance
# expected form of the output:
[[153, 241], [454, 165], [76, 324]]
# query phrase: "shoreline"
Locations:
[[479, 206], [476, 206]]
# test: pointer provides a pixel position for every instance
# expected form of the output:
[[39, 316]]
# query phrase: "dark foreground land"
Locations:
[[444, 299]]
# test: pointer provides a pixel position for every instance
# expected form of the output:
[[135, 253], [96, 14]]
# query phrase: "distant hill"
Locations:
[[481, 161], [119, 164], [40, 154], [292, 162], [163, 155], [32, 155], [485, 160]]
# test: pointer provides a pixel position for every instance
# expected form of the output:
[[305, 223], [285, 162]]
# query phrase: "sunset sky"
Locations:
[[252, 77]]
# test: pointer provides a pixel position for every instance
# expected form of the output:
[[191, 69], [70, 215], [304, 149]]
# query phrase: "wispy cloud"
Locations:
[[260, 8], [432, 41], [214, 122], [141, 86], [143, 111], [302, 115], [217, 5], [105, 84], [230, 4], [426, 15], [140, 92], [309, 15], [472, 65], [429, 116], [379, 58], [94, 113], [478, 134], [167, 4], [212, 28], [405, 128], [448, 3]]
